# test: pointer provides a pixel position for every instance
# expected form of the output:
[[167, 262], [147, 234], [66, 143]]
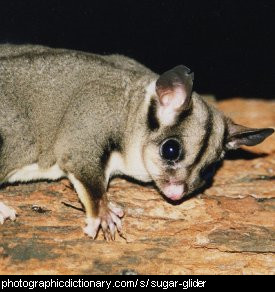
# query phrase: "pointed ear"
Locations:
[[174, 89], [239, 135]]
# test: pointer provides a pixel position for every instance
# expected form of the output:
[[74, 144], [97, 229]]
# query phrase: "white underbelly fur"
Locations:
[[33, 172]]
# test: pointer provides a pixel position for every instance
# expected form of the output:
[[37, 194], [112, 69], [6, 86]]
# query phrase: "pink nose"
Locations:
[[174, 191]]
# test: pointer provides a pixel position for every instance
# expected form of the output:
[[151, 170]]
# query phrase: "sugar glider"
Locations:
[[89, 117]]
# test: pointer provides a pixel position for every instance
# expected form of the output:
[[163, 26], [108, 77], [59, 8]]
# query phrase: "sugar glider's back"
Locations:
[[40, 85]]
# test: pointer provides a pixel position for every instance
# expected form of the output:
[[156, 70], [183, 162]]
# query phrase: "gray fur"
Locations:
[[52, 94]]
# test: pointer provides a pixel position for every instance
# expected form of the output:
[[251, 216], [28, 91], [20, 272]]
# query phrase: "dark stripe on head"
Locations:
[[225, 135], [184, 114], [152, 120], [208, 127]]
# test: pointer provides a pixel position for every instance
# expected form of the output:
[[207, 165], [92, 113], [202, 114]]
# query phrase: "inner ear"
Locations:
[[240, 135], [174, 89]]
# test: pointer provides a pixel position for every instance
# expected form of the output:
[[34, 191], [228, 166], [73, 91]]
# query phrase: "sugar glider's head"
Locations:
[[187, 136]]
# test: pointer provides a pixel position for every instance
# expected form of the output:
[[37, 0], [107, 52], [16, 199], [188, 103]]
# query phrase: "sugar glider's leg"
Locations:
[[6, 213], [99, 211]]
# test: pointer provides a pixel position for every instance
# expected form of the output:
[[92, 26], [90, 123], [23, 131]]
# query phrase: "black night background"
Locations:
[[228, 44]]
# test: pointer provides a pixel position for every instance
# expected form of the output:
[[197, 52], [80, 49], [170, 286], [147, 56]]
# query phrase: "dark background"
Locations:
[[228, 44]]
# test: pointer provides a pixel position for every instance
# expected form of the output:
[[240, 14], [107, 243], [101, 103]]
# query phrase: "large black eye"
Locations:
[[170, 149]]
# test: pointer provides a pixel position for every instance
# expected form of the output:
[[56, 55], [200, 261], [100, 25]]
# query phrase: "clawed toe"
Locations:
[[109, 226], [117, 222], [116, 209], [6, 213], [92, 227]]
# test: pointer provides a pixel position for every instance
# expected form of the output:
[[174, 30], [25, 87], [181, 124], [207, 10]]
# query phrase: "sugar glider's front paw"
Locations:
[[6, 213], [109, 219]]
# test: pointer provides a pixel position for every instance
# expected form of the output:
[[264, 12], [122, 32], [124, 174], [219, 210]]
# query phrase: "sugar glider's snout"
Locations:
[[164, 163], [171, 151]]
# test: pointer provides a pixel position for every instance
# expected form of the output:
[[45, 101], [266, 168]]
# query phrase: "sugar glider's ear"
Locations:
[[239, 135], [174, 89]]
